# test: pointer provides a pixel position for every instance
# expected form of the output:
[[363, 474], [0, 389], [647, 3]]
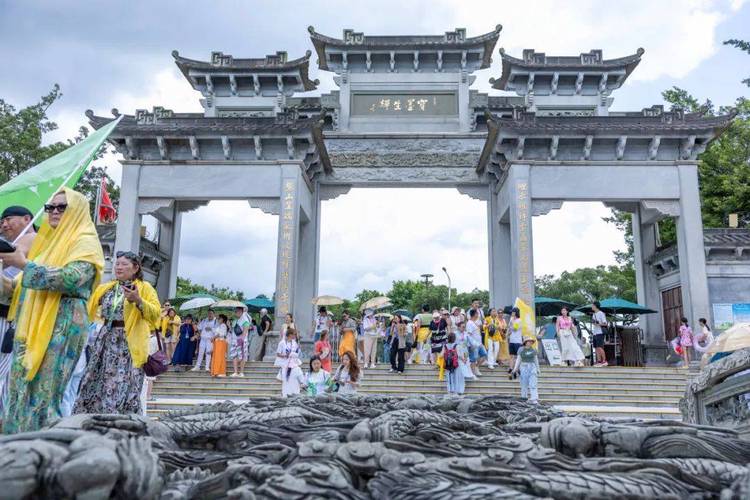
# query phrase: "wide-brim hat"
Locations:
[[529, 339]]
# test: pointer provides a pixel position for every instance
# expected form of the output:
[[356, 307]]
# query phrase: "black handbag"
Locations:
[[7, 346]]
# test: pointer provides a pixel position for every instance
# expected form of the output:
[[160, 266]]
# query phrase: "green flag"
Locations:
[[34, 187]]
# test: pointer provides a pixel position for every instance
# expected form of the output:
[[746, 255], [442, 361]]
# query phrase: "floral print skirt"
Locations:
[[111, 383]]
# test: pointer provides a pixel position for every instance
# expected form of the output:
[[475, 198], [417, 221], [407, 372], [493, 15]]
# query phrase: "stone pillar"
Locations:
[[498, 237], [521, 245], [174, 256], [165, 245], [128, 232], [288, 242], [306, 286], [647, 286], [690, 247]]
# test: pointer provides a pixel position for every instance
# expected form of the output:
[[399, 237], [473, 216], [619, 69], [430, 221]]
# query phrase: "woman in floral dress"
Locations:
[[128, 306], [49, 302]]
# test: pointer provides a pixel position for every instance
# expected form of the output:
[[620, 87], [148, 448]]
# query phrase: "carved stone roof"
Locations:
[[726, 237], [649, 121], [585, 62], [451, 40], [225, 63], [161, 122]]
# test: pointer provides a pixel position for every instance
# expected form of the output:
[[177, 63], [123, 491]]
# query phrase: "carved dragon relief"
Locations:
[[363, 447]]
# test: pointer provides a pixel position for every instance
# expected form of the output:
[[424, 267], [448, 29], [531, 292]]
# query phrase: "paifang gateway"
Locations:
[[405, 115]]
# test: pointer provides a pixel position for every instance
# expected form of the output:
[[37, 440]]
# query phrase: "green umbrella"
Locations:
[[545, 306], [258, 303], [616, 305]]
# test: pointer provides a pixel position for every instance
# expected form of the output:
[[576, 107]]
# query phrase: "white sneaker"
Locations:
[[195, 369], [241, 374], [234, 375]]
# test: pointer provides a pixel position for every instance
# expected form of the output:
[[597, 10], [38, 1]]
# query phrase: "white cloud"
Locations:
[[678, 35]]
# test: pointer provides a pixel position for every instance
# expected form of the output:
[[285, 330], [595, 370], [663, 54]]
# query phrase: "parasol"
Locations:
[[375, 303], [327, 300]]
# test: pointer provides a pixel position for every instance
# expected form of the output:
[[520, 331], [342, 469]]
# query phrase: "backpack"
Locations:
[[451, 359]]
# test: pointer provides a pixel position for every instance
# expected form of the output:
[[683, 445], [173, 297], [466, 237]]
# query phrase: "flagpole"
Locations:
[[97, 205], [84, 160]]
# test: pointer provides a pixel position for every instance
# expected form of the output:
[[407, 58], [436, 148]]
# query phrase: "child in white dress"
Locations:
[[287, 359]]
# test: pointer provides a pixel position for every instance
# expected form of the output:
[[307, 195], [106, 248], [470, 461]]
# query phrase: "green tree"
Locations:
[[21, 135], [587, 284], [744, 46], [403, 292], [185, 286]]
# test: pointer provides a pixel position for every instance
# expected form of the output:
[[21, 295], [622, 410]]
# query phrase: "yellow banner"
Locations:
[[528, 328]]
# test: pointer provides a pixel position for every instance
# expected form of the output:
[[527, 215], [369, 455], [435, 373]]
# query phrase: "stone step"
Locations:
[[432, 385], [544, 395], [432, 378], [680, 372], [616, 408]]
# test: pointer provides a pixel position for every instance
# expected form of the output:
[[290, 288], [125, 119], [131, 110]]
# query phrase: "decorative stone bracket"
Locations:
[[267, 205], [543, 207]]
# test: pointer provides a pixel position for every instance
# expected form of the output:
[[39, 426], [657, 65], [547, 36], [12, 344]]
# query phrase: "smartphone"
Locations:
[[6, 246]]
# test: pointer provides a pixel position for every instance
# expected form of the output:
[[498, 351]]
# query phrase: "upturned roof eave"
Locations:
[[627, 63], [487, 41]]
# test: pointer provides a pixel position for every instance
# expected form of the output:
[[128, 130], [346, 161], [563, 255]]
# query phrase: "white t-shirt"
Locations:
[[475, 336], [321, 323], [516, 332], [598, 318], [207, 328]]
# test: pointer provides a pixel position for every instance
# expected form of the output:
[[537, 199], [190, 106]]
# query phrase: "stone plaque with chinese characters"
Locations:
[[404, 104]]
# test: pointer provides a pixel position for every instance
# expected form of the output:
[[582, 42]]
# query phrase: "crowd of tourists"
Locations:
[[71, 344]]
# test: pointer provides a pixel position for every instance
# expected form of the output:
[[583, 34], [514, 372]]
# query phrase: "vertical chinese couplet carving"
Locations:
[[525, 279], [287, 241]]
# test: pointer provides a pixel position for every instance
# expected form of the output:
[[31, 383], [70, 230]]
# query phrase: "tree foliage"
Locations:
[[21, 136], [185, 286], [744, 46], [587, 284]]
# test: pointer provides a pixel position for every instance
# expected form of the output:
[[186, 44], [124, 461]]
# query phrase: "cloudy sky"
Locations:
[[117, 54]]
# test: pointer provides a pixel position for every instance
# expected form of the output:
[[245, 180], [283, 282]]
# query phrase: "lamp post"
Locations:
[[449, 288]]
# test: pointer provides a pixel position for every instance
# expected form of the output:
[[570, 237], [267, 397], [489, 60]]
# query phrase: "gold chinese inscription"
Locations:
[[404, 104], [287, 221], [523, 202]]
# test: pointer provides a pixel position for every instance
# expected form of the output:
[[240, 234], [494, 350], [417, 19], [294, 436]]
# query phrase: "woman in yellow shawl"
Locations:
[[64, 265], [129, 307]]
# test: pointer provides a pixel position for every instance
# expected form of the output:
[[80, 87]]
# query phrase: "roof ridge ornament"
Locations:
[[144, 117], [455, 36], [221, 59], [352, 37]]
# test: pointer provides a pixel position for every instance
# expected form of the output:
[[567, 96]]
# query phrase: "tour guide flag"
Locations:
[[34, 187], [527, 319]]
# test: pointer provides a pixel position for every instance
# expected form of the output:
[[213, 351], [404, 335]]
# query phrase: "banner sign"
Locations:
[[552, 350]]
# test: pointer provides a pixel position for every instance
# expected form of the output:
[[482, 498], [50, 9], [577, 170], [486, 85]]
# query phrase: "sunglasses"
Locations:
[[127, 255], [55, 208]]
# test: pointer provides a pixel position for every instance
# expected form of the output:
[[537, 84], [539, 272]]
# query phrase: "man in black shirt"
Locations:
[[266, 323]]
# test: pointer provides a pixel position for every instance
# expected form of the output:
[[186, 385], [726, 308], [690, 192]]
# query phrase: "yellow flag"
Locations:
[[528, 327]]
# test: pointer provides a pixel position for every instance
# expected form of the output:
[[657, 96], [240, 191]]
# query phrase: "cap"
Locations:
[[16, 210]]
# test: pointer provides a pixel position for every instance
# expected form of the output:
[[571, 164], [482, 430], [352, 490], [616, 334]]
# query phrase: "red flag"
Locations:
[[107, 213]]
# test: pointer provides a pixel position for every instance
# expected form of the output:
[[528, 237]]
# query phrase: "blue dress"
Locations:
[[185, 350]]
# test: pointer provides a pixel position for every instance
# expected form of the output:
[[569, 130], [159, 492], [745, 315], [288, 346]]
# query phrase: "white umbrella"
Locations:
[[197, 303], [230, 304], [737, 337], [327, 300], [375, 303]]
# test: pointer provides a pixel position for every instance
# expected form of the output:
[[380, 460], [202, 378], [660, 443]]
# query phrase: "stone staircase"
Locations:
[[643, 392]]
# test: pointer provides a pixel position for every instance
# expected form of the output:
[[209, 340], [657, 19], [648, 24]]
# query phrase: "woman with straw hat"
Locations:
[[63, 267], [527, 363]]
